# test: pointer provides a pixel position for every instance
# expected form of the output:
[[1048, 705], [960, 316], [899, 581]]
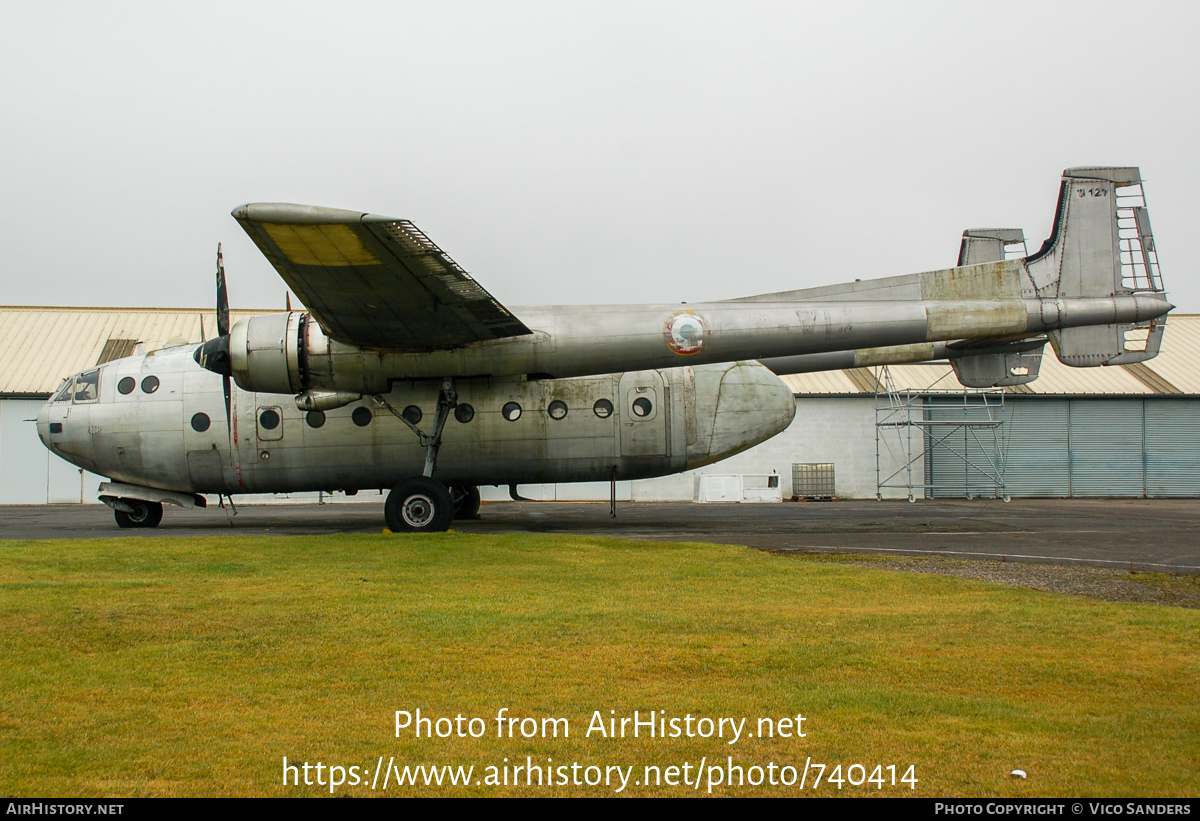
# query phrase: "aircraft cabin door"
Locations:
[[645, 409]]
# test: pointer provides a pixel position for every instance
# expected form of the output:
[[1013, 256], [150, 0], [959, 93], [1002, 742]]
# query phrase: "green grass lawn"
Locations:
[[175, 667]]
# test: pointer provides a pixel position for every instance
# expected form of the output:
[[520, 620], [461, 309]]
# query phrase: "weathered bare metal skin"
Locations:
[[1085, 275], [699, 415], [534, 391], [959, 320], [896, 354], [325, 400], [587, 340]]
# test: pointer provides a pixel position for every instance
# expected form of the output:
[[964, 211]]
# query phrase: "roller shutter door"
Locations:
[[1038, 440], [1172, 447], [1083, 447], [1106, 447]]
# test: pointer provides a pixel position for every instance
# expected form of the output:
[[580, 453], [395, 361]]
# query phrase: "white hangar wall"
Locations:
[[827, 429], [29, 473]]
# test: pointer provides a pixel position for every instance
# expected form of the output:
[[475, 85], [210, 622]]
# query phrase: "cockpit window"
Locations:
[[86, 387], [63, 394]]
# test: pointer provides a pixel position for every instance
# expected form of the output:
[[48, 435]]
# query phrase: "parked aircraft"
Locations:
[[405, 374]]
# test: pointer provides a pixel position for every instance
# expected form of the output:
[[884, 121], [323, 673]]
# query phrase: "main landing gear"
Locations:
[[422, 504], [466, 501]]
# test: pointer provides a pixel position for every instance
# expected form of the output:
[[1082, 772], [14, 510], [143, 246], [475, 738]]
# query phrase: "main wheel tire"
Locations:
[[419, 505], [144, 514], [466, 501]]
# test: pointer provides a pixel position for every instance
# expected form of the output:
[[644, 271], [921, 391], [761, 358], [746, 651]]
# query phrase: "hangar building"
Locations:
[[1130, 431]]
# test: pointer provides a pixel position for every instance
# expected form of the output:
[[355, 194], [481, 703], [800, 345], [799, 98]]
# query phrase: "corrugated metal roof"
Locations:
[[820, 382], [1179, 360], [39, 346], [1057, 378]]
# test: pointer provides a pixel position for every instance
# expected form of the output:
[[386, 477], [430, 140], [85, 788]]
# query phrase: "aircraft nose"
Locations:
[[43, 424]]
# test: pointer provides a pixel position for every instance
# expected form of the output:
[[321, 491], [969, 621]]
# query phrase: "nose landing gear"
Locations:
[[139, 514]]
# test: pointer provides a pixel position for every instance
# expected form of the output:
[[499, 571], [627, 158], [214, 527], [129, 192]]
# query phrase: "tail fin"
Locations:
[[1101, 246], [994, 363], [991, 245]]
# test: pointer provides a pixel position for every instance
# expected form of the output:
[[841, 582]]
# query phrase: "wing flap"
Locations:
[[375, 281]]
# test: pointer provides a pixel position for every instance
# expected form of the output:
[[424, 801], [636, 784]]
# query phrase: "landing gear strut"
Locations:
[[422, 504]]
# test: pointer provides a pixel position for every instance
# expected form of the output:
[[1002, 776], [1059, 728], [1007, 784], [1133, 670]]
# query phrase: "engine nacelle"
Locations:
[[267, 353], [289, 353]]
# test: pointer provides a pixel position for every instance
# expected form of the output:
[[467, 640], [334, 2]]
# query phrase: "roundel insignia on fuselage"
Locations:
[[685, 332]]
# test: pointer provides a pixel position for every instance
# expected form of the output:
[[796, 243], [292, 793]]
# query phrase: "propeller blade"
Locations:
[[214, 355], [222, 296]]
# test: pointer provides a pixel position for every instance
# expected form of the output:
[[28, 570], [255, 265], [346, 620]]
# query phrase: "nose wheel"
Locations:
[[140, 514]]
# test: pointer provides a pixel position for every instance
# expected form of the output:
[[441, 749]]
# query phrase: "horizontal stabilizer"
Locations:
[[999, 365], [1109, 344]]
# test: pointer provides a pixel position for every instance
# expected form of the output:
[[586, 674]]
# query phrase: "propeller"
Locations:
[[213, 355], [222, 296]]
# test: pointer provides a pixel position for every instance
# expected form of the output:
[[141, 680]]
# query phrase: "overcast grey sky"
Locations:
[[578, 152]]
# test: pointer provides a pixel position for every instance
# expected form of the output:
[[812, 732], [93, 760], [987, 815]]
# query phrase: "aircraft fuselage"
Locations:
[[159, 421]]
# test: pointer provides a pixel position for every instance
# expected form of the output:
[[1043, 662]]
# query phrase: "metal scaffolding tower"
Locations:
[[937, 428]]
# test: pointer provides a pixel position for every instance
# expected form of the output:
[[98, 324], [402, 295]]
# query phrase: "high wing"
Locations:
[[373, 281]]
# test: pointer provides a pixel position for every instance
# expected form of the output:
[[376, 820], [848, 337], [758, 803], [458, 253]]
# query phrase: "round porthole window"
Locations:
[[361, 416], [127, 384], [511, 411], [315, 418], [464, 413], [150, 384], [269, 419], [412, 414], [200, 422], [603, 408], [642, 406], [557, 409]]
